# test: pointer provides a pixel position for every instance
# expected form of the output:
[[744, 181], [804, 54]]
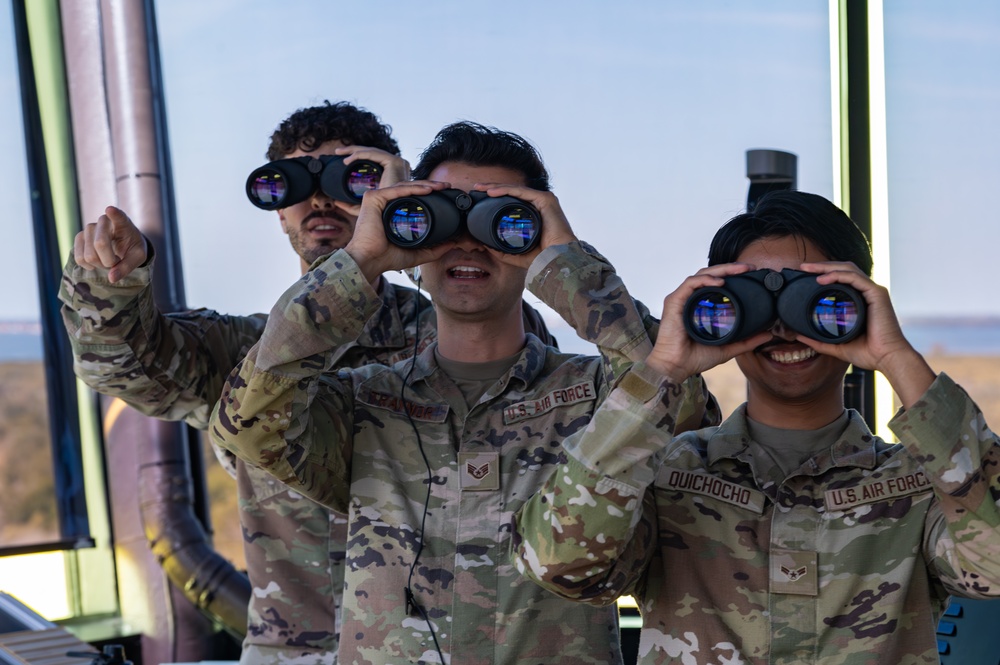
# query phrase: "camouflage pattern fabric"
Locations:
[[356, 442], [173, 367], [849, 560]]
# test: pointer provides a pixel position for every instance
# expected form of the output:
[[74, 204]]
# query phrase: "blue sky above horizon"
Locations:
[[643, 112]]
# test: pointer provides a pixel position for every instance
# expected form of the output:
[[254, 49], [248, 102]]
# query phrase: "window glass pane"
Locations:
[[643, 113], [942, 94], [28, 512]]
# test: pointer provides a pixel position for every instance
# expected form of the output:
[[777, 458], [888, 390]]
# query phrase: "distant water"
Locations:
[[23, 341], [956, 337], [20, 346], [20, 340]]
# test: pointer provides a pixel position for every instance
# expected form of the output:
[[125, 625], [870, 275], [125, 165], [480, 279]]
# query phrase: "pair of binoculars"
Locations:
[[751, 302], [285, 182], [503, 223]]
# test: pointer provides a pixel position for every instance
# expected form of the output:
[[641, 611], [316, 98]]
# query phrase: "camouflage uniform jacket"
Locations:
[[351, 443], [173, 367], [848, 560]]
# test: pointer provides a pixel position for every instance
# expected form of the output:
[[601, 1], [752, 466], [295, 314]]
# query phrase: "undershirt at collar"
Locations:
[[787, 449], [474, 379]]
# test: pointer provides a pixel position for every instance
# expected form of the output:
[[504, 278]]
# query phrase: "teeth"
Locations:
[[324, 227], [467, 271], [789, 357]]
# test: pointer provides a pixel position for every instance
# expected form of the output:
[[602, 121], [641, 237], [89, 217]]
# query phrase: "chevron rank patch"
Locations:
[[479, 471], [794, 572]]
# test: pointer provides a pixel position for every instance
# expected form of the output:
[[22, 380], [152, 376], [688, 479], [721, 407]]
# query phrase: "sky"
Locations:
[[642, 110]]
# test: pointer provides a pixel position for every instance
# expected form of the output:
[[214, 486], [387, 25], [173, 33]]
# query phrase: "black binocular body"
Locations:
[[503, 223], [285, 182], [751, 302]]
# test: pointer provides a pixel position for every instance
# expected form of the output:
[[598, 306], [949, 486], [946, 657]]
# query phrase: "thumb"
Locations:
[[131, 258]]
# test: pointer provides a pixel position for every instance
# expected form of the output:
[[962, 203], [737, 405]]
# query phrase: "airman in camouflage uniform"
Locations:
[[173, 366], [790, 534], [431, 457]]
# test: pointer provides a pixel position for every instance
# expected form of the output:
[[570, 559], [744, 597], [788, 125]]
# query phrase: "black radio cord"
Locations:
[[411, 601]]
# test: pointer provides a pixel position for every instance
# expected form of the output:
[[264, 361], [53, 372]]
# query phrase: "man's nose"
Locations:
[[465, 241], [779, 329], [320, 200]]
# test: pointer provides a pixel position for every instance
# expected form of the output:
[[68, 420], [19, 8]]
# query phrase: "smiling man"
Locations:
[[431, 457], [790, 534]]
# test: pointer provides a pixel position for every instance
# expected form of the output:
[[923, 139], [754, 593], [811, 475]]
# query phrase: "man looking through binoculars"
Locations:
[[789, 534]]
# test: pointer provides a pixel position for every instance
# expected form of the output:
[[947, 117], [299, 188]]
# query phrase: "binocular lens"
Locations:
[[835, 314], [409, 223], [267, 189], [714, 316], [517, 227], [361, 177]]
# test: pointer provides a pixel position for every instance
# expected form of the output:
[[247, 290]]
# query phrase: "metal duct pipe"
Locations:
[[122, 157]]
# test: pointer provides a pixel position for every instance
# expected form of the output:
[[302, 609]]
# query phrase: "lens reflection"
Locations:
[[516, 227], [835, 314], [362, 177], [268, 188], [410, 223], [714, 316]]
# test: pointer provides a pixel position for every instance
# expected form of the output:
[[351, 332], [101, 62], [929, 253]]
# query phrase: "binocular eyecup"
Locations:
[[503, 223], [751, 302], [285, 182]]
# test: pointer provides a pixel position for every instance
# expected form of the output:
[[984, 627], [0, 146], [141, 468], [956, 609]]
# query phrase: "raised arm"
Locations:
[[945, 431], [170, 366], [589, 533], [281, 408]]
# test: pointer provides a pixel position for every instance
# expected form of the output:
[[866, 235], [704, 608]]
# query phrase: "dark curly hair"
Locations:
[[308, 128], [479, 145], [783, 213]]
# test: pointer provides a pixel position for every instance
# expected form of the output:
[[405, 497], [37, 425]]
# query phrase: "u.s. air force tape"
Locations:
[[872, 491], [581, 392]]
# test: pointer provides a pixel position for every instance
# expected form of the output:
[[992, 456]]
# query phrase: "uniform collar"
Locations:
[[528, 365], [856, 447]]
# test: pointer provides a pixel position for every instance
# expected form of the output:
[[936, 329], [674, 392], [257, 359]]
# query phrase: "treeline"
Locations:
[[28, 508]]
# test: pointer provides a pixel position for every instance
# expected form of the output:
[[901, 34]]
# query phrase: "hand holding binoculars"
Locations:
[[285, 182], [751, 302], [503, 223]]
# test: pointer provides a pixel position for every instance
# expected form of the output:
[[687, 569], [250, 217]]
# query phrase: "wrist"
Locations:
[[370, 264], [908, 373], [669, 370]]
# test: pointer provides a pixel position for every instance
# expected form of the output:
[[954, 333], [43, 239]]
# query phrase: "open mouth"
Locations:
[[467, 272], [785, 357]]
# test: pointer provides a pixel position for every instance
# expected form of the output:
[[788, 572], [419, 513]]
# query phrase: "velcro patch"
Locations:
[[479, 471], [432, 413], [794, 572], [581, 392], [846, 498], [708, 485]]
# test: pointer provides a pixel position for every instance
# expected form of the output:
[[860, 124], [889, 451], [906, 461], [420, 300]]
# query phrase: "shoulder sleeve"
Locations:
[[946, 433], [583, 287]]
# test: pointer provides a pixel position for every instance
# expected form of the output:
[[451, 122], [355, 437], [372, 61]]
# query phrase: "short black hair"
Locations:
[[784, 213], [479, 145], [311, 127]]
